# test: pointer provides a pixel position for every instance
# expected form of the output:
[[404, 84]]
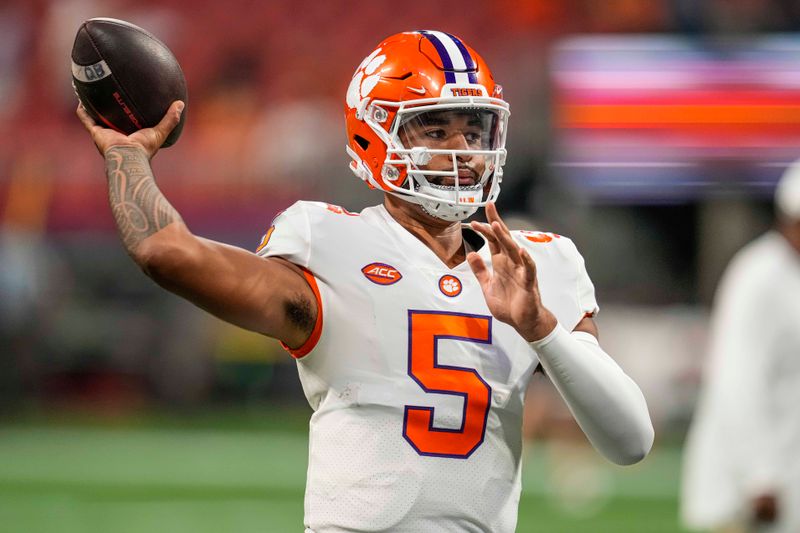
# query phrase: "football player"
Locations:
[[741, 469], [415, 334]]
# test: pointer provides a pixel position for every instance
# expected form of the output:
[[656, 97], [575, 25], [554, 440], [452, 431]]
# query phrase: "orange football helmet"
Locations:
[[426, 122]]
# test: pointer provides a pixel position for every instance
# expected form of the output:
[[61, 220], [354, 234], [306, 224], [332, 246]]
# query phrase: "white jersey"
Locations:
[[745, 435], [417, 390]]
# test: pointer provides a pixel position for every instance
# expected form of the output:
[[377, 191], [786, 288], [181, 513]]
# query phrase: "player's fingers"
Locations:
[[91, 126], [506, 241], [492, 215], [491, 212], [169, 121], [502, 232], [85, 119], [171, 118], [530, 265], [486, 231], [478, 268]]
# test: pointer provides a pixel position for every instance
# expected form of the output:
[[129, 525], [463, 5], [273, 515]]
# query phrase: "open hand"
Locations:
[[148, 139], [510, 288]]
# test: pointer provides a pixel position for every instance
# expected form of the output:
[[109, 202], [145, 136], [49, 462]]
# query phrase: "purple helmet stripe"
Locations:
[[449, 74], [468, 61]]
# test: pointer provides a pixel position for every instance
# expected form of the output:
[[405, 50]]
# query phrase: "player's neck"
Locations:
[[442, 237]]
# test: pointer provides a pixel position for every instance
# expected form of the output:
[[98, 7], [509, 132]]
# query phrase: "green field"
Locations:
[[213, 477]]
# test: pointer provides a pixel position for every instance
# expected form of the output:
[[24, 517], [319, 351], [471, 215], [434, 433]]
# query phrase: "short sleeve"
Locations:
[[288, 236], [564, 284], [583, 284]]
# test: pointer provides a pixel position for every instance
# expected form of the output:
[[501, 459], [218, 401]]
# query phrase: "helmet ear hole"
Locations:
[[361, 141]]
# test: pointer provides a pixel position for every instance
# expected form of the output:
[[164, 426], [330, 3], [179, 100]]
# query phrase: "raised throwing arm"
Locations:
[[266, 295]]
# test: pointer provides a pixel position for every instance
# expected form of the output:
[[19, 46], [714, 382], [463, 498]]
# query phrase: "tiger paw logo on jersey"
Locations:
[[381, 273], [539, 236], [450, 285]]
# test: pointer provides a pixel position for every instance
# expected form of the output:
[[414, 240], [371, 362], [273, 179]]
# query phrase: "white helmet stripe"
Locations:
[[453, 52]]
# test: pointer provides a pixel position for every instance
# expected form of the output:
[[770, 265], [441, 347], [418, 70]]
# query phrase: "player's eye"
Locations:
[[437, 133], [473, 137]]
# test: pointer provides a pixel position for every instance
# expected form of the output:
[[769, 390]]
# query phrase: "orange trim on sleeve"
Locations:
[[265, 238], [312, 340]]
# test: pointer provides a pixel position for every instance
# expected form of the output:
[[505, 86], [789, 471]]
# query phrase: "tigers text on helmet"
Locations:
[[426, 122]]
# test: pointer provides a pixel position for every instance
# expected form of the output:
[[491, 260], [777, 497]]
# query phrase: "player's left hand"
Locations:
[[511, 288]]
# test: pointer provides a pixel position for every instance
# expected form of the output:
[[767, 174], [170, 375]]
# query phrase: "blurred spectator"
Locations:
[[15, 26], [280, 149], [742, 466]]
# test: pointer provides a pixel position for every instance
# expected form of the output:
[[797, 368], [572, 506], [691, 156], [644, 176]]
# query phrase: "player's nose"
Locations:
[[458, 141]]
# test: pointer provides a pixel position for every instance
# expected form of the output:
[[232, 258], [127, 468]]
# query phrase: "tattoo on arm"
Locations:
[[139, 208]]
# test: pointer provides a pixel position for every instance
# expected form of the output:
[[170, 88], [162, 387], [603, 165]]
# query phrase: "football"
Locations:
[[125, 77]]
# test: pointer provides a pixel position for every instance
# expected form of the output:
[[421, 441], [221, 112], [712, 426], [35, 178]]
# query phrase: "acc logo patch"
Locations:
[[450, 285], [381, 273]]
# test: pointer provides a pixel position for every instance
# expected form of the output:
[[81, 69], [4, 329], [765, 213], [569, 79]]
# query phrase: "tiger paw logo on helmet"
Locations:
[[365, 79], [420, 78]]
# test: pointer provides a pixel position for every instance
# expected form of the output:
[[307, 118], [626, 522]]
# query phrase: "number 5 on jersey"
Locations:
[[426, 329]]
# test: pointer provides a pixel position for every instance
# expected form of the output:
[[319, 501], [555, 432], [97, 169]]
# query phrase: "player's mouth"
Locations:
[[467, 178]]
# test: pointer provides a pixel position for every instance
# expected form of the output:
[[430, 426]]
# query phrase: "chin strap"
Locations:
[[450, 213], [442, 210]]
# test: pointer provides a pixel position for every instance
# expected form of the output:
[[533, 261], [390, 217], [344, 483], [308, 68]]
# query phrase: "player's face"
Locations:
[[451, 130]]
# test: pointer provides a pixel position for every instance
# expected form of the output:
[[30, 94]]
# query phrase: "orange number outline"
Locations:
[[425, 330]]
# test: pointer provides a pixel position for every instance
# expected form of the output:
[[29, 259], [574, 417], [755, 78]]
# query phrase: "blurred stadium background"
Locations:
[[649, 131]]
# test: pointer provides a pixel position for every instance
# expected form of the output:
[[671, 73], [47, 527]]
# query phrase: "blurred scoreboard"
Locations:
[[642, 119]]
